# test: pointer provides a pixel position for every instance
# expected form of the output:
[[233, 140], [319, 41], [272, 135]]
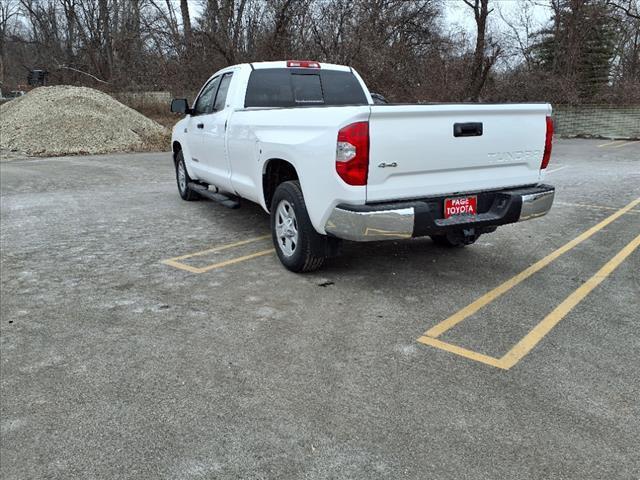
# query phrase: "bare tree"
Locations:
[[8, 14], [402, 48], [222, 26], [186, 21], [103, 34], [486, 52], [521, 27], [626, 60]]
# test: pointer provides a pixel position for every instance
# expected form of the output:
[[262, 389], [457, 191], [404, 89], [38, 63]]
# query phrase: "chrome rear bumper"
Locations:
[[370, 226], [424, 217], [536, 204]]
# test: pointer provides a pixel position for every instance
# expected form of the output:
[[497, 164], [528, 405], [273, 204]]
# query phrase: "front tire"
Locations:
[[183, 180], [299, 247]]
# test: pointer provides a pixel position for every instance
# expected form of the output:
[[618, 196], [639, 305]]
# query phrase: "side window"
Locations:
[[221, 97], [342, 88], [204, 103], [269, 88]]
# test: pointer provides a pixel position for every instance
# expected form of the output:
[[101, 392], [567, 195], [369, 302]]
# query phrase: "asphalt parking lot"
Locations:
[[147, 337]]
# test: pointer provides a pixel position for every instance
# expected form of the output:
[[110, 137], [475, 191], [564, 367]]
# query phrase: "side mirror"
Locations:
[[180, 105]]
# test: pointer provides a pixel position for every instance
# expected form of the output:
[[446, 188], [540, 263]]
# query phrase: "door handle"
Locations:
[[200, 125], [471, 129]]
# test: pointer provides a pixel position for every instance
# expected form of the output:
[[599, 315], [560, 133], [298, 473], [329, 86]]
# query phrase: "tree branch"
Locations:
[[626, 10], [65, 67]]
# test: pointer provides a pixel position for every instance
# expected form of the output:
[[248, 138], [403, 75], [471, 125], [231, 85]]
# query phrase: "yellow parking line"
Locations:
[[236, 260], [610, 143], [176, 261], [529, 341], [624, 144], [598, 207], [463, 352], [181, 266], [231, 261], [219, 248], [488, 297], [525, 345]]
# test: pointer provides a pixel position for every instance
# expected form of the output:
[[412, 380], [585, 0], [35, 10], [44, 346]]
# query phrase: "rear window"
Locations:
[[291, 87], [306, 88]]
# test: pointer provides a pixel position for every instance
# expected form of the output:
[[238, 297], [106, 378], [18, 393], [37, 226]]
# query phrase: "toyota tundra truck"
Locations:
[[306, 141]]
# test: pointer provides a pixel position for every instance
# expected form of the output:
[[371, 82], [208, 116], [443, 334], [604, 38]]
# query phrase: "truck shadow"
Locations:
[[419, 255], [397, 256]]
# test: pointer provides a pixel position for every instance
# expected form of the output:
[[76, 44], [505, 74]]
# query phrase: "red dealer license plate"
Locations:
[[460, 206]]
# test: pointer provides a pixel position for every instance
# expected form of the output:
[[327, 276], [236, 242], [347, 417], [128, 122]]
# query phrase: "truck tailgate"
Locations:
[[414, 153]]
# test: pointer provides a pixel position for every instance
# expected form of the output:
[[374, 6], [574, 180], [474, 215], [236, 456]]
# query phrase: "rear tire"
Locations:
[[456, 239], [299, 247], [183, 180]]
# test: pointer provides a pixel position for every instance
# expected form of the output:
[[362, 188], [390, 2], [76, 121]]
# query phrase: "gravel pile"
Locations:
[[66, 120]]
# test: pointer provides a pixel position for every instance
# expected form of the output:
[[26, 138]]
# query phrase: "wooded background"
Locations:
[[589, 51]]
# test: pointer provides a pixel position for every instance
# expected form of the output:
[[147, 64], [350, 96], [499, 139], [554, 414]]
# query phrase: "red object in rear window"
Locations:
[[547, 144], [302, 64], [352, 153]]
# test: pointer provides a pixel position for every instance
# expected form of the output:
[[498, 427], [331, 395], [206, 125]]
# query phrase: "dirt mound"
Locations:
[[66, 120]]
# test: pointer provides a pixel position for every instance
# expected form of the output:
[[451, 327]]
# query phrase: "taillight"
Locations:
[[352, 153], [302, 64], [547, 144]]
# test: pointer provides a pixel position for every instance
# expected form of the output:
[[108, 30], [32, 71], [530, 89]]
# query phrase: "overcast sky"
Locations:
[[457, 14]]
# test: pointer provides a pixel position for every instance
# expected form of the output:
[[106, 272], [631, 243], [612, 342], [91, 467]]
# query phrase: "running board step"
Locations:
[[229, 202]]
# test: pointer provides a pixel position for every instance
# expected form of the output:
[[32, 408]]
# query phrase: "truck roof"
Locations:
[[283, 64]]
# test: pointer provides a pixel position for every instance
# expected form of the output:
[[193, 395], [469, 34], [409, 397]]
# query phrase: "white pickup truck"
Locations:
[[305, 141]]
